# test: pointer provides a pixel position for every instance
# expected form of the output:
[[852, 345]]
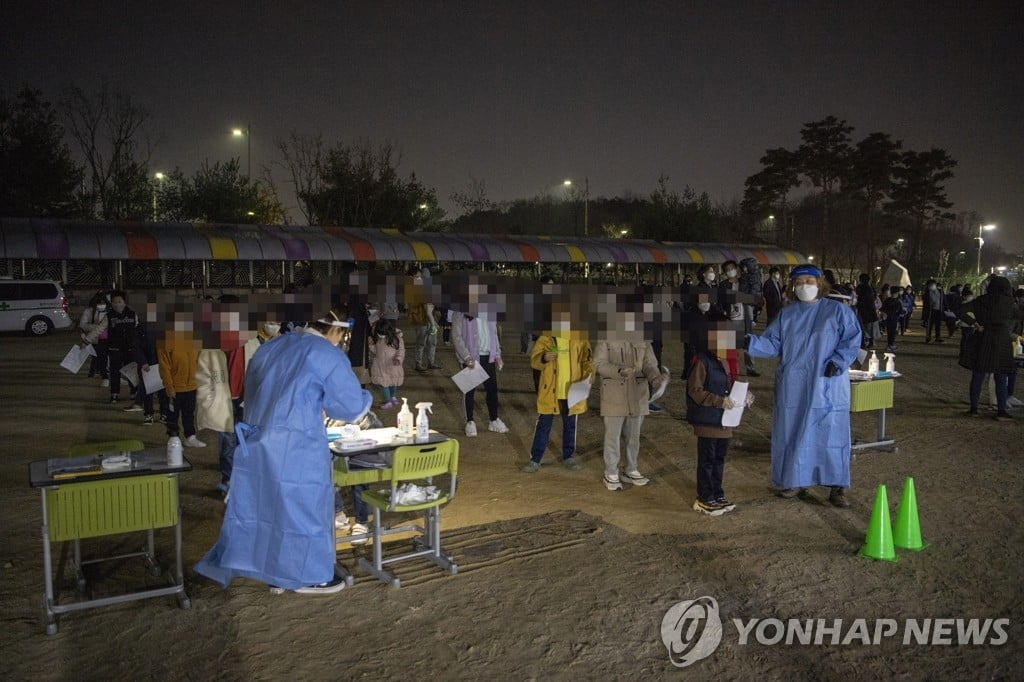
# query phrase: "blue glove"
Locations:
[[832, 369]]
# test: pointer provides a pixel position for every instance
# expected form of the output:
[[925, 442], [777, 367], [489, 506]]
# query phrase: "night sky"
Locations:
[[524, 95]]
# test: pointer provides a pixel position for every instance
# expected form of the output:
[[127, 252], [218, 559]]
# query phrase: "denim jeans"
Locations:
[[710, 467], [542, 432]]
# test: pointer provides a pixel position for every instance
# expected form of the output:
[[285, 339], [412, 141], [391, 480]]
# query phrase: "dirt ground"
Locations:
[[558, 577]]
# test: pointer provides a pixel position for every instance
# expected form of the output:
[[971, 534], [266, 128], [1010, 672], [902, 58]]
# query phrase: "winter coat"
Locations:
[[991, 349], [581, 366], [866, 311], [178, 359], [121, 326], [213, 392], [707, 387], [383, 370], [621, 397]]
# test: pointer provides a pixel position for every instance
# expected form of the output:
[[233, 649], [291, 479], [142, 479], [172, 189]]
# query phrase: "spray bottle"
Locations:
[[890, 363], [405, 427], [174, 453], [872, 362], [422, 422]]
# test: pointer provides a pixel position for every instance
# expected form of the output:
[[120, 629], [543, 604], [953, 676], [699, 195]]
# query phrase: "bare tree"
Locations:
[[303, 159], [110, 130]]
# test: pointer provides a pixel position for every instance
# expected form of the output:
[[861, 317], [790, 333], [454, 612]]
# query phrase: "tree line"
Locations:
[[88, 156]]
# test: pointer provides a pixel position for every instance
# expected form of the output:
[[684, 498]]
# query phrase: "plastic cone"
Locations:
[[907, 531], [878, 541]]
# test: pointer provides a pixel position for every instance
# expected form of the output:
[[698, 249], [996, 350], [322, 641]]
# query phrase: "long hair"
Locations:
[[389, 331]]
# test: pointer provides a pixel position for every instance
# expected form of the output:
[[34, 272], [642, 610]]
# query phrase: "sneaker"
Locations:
[[389, 405], [336, 585], [709, 508], [498, 426], [360, 529], [113, 399], [433, 366], [572, 464], [133, 408], [1003, 417], [790, 493], [470, 429], [341, 521], [655, 408], [421, 368], [890, 349], [531, 467], [725, 504], [753, 373], [973, 412], [940, 341], [105, 383], [1013, 401], [636, 478], [612, 482], [193, 442], [838, 498], [148, 420], [163, 419]]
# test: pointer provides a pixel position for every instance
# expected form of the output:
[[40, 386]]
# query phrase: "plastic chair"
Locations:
[[345, 476], [414, 464], [99, 448]]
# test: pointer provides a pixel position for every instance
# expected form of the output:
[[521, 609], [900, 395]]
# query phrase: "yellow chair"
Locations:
[[414, 464], [345, 476]]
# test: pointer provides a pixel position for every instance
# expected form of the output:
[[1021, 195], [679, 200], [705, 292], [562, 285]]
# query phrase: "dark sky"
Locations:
[[522, 95]]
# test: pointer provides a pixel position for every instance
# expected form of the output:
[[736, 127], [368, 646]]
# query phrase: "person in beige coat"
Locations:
[[387, 354], [626, 366]]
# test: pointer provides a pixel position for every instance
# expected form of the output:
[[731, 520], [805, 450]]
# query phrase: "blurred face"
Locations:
[[720, 341]]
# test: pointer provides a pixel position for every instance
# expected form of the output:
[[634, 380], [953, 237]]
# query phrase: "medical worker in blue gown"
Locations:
[[279, 523], [816, 339]]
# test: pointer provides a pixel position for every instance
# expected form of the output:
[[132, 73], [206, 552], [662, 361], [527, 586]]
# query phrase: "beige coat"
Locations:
[[383, 370], [622, 397]]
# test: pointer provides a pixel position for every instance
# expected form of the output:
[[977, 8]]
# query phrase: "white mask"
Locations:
[[730, 273], [710, 276], [776, 277], [704, 307], [271, 329], [807, 292], [101, 307]]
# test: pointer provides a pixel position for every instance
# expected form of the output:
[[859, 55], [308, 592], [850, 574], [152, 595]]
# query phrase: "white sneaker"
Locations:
[[636, 478], [194, 442], [470, 428], [360, 529], [612, 482], [336, 585], [498, 426], [1014, 401], [341, 521]]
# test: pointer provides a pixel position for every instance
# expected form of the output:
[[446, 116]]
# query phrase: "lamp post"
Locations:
[[586, 204], [247, 134], [981, 242], [160, 179]]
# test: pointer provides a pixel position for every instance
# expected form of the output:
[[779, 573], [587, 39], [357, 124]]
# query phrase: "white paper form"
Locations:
[[578, 391], [76, 357], [732, 416], [151, 379], [470, 377]]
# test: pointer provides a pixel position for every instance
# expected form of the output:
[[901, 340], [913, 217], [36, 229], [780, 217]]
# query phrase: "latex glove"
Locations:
[[728, 403], [749, 400], [627, 372], [499, 363], [832, 369]]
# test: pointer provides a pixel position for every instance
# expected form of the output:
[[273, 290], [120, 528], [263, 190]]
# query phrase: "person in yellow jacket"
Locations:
[[563, 358], [178, 360]]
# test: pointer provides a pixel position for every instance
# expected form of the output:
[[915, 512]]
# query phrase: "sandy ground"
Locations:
[[559, 577]]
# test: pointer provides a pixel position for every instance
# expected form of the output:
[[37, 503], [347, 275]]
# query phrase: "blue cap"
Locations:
[[804, 270]]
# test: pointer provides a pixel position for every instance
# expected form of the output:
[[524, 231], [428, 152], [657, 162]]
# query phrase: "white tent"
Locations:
[[896, 275]]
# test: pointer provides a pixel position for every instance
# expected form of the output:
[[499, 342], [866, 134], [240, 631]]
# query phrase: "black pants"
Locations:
[[710, 466], [934, 323], [183, 405], [892, 327], [117, 359], [490, 386]]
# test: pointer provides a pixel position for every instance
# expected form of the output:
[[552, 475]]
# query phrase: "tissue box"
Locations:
[[871, 395]]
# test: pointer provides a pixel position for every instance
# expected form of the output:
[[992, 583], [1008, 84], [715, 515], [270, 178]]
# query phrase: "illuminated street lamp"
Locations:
[[160, 179], [981, 242], [247, 134], [586, 203]]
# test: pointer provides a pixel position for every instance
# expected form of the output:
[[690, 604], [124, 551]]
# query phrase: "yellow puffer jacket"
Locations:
[[580, 364]]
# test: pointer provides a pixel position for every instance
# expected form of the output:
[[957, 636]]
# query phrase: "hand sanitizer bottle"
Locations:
[[872, 362], [405, 426]]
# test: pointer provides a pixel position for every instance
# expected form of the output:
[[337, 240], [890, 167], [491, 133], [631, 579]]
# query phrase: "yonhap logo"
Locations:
[[691, 630]]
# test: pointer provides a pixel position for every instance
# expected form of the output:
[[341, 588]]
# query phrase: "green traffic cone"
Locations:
[[878, 541], [907, 531]]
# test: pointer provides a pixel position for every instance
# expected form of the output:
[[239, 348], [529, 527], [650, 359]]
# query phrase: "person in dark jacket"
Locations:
[[933, 310], [990, 351], [773, 294], [952, 303], [708, 385], [892, 309], [867, 313], [121, 324], [144, 355]]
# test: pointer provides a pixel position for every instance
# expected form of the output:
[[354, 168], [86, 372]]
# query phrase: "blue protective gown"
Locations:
[[279, 523], [811, 419]]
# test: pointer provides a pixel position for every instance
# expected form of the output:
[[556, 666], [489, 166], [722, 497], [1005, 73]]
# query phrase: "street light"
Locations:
[[981, 242], [160, 179], [247, 134], [586, 203]]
